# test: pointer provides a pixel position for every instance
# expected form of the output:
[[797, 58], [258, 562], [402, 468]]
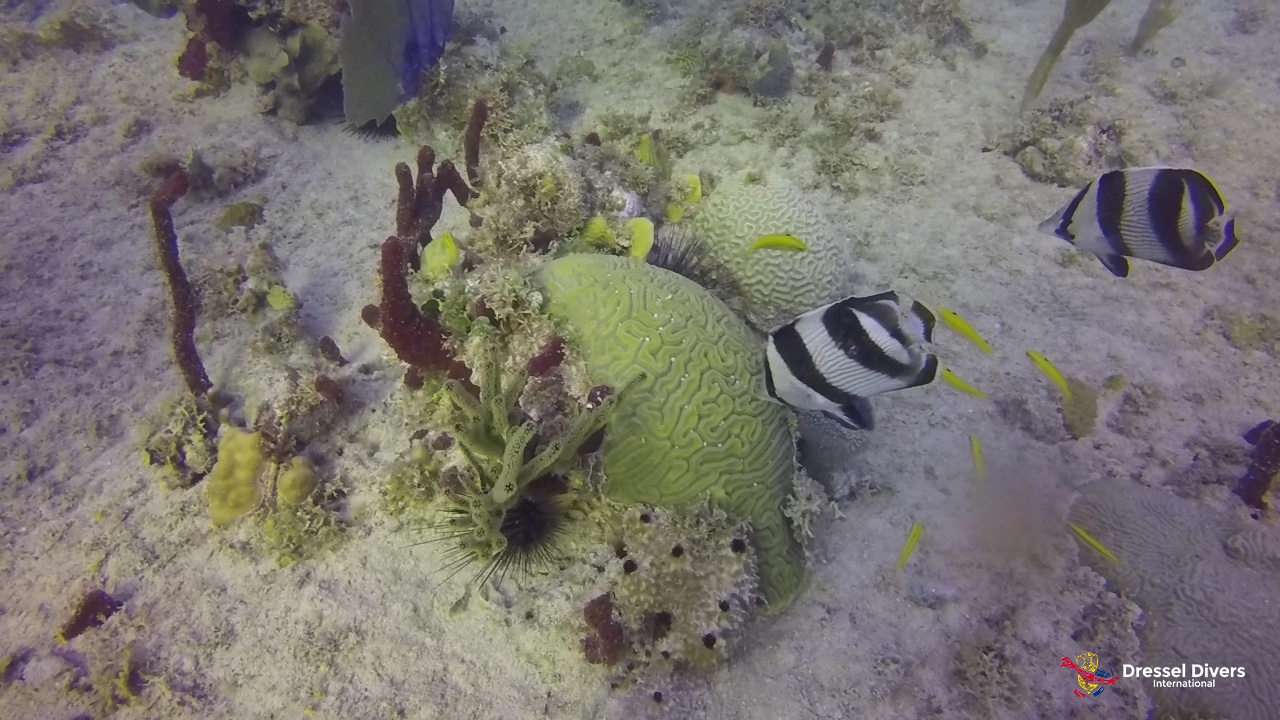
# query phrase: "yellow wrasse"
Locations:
[[963, 386], [1092, 542], [913, 539], [440, 256], [961, 327], [979, 463], [1051, 372], [778, 241]]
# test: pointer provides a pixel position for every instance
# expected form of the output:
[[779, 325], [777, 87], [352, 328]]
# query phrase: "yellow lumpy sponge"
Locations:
[[699, 425], [297, 483], [233, 485]]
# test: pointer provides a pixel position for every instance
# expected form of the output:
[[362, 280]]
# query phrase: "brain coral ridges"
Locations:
[[775, 286], [1207, 583], [698, 426]]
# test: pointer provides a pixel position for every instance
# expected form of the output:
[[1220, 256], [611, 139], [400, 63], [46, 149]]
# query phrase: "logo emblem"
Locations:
[[1091, 681]]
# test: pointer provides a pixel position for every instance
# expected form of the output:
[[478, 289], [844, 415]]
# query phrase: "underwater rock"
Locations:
[[688, 582], [1207, 584], [775, 285], [699, 425], [779, 72]]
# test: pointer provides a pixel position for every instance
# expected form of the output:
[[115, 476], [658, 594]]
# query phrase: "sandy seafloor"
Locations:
[[356, 634]]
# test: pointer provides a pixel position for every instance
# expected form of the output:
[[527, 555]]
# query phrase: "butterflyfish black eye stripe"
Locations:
[[1204, 206], [1063, 229]]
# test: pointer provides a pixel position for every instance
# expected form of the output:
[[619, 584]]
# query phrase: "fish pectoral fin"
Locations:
[[1117, 264], [857, 415]]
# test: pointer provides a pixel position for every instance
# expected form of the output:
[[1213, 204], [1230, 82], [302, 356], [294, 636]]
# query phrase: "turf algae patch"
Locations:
[[699, 425], [1207, 584]]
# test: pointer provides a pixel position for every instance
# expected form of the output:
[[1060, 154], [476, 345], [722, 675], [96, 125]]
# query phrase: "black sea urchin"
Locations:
[[677, 249], [374, 130], [529, 530]]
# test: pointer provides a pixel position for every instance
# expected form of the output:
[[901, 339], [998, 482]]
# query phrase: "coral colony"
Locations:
[[580, 398]]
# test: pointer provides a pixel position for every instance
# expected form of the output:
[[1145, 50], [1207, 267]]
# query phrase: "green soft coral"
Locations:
[[497, 448], [291, 68], [1075, 15], [699, 424]]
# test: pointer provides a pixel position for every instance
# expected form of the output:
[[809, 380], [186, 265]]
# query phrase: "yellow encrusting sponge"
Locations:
[[233, 486]]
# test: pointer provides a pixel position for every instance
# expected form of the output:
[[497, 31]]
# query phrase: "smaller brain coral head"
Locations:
[[775, 286]]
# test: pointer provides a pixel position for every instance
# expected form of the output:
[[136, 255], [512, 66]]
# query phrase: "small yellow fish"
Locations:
[[1050, 372], [778, 241], [913, 539], [963, 386], [1092, 542], [440, 256], [979, 463], [961, 327]]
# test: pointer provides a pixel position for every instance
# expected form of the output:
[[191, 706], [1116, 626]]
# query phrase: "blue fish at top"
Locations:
[[429, 24]]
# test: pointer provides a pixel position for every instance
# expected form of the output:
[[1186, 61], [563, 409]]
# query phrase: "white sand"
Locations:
[[356, 634]]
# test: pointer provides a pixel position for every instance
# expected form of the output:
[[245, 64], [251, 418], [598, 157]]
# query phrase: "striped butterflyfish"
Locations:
[[833, 358], [1171, 216]]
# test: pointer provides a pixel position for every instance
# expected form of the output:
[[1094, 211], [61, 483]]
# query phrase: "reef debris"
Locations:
[[92, 611], [1264, 464]]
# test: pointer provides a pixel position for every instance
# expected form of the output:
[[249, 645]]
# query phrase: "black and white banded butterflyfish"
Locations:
[[1171, 216], [833, 358]]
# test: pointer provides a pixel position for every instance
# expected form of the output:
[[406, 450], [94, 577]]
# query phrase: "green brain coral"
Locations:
[[699, 425], [775, 285]]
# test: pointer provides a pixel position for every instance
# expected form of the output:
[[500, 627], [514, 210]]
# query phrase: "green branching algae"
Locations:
[[497, 449]]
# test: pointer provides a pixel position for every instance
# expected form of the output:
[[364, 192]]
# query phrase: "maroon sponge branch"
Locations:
[[419, 203], [180, 293], [416, 338], [471, 139]]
